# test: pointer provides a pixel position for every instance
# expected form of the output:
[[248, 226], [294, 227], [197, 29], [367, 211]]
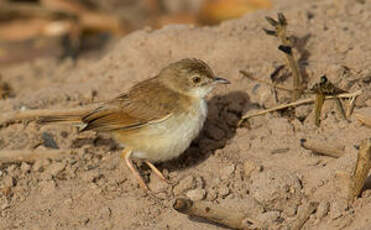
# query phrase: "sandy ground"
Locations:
[[260, 169]]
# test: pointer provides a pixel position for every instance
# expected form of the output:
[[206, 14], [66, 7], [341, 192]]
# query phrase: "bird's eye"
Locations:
[[196, 79]]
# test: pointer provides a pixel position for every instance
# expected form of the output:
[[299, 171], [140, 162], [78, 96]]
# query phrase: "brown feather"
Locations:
[[136, 108], [65, 118]]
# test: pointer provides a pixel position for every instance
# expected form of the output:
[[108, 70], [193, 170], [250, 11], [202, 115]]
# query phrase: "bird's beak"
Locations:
[[220, 80]]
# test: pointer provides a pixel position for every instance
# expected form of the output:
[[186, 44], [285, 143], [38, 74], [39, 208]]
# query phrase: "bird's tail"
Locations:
[[60, 118], [72, 119]]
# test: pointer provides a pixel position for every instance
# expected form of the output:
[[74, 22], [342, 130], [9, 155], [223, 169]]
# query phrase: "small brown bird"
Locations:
[[157, 119]]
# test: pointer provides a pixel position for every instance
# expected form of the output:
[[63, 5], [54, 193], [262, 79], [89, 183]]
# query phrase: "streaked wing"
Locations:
[[134, 109], [105, 119]]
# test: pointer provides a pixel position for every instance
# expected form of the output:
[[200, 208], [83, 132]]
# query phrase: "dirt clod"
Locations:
[[196, 194], [54, 169], [260, 165], [8, 181], [184, 185]]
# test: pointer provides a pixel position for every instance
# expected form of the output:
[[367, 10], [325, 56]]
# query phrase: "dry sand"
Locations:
[[260, 169]]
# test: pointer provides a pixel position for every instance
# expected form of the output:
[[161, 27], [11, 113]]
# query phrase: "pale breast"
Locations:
[[168, 139]]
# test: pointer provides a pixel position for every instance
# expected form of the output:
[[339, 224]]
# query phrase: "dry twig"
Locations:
[[354, 182], [213, 213], [326, 149], [350, 107], [286, 47], [322, 89], [296, 103], [363, 166]]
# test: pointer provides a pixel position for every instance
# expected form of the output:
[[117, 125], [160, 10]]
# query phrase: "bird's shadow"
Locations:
[[224, 113]]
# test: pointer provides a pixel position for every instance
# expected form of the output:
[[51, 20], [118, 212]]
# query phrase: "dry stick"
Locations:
[[304, 213], [296, 103], [350, 107], [213, 213], [29, 115], [281, 34], [10, 156], [296, 74], [326, 149], [363, 166], [319, 99], [340, 108]]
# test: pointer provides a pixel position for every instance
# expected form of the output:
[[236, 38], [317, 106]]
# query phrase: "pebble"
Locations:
[[291, 210], [68, 201], [268, 218], [39, 165], [323, 209], [162, 195], [272, 187], [249, 167], [8, 181], [91, 176], [56, 168], [12, 169], [45, 176], [25, 168], [84, 220], [227, 171], [156, 184], [104, 213], [338, 207], [216, 180], [184, 185], [368, 103], [5, 205], [212, 195], [49, 141], [223, 191], [366, 193], [196, 194], [199, 182], [47, 187]]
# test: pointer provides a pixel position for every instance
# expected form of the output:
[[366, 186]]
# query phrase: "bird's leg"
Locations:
[[157, 172], [126, 154]]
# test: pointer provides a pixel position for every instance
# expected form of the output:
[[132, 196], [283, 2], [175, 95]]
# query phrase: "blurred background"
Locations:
[[76, 28]]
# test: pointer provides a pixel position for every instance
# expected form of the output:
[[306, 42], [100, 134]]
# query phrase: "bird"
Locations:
[[157, 118]]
